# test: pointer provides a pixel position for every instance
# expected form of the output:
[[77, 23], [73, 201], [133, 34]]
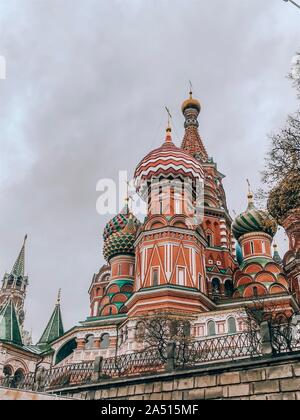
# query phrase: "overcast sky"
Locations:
[[87, 82]]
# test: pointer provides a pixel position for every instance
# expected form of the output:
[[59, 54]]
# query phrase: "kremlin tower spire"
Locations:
[[14, 285], [192, 142]]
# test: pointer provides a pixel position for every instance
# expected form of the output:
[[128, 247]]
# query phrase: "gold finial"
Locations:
[[169, 129], [128, 196], [191, 89], [58, 297]]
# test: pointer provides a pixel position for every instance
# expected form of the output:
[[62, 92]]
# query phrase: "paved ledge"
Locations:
[[16, 394]]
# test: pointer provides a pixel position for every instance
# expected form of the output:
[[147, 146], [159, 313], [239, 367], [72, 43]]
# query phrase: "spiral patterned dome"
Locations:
[[253, 220], [122, 242], [117, 223], [167, 160]]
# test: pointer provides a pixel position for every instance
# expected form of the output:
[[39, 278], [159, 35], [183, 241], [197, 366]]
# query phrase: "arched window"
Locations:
[[231, 325], [10, 281], [18, 377], [104, 344], [19, 283], [89, 342], [7, 370], [209, 240], [255, 291], [228, 288], [211, 328], [252, 247], [216, 286], [66, 350]]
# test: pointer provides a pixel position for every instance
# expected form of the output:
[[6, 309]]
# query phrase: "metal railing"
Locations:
[[218, 349], [176, 356], [136, 363], [285, 338], [47, 380]]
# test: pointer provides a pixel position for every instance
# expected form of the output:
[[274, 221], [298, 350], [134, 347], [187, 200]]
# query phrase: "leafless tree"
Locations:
[[159, 329], [282, 167], [280, 323]]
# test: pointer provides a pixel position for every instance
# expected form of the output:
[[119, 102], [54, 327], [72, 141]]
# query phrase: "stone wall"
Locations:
[[266, 378]]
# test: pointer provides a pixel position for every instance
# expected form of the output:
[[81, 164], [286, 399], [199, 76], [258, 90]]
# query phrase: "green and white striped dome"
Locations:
[[253, 220]]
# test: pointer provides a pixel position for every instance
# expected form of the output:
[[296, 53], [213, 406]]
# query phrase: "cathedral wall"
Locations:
[[269, 378], [14, 359]]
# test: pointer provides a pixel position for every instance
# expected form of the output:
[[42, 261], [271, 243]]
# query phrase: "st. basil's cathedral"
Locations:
[[206, 270]]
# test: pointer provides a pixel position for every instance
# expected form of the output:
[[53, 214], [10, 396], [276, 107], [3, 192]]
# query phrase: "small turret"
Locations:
[[14, 285], [54, 328]]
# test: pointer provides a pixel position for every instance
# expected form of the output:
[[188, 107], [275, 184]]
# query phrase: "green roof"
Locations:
[[9, 324], [19, 266], [54, 328]]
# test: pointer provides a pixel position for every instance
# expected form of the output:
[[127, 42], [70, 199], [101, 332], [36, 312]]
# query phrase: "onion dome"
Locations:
[[253, 220], [167, 161], [117, 223], [121, 242], [191, 103]]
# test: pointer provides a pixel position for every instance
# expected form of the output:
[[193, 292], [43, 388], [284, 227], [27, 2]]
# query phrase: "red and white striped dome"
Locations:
[[168, 160]]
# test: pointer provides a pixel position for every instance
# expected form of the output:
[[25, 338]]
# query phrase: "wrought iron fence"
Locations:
[[136, 363], [47, 380], [285, 338], [186, 354], [219, 348]]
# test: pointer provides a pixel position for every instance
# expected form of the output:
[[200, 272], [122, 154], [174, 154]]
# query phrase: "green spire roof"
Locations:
[[9, 325], [54, 328], [19, 266]]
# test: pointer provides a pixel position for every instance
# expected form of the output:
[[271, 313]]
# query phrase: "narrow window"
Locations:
[[181, 276], [131, 270], [252, 247], [104, 343], [155, 275], [211, 328], [199, 281], [209, 240], [231, 325]]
